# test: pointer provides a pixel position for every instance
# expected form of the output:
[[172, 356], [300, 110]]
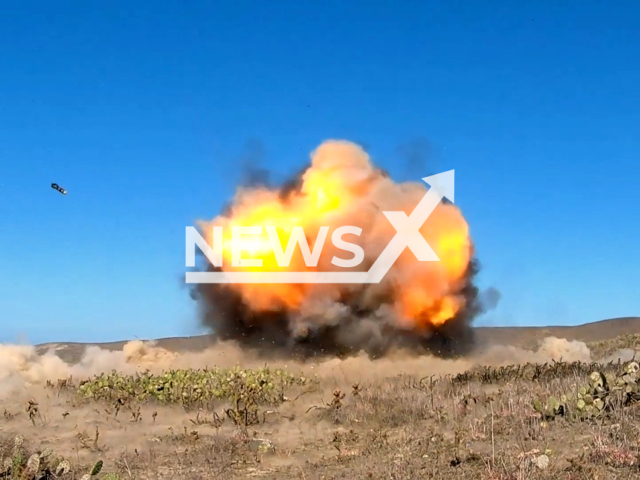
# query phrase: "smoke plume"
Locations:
[[423, 306]]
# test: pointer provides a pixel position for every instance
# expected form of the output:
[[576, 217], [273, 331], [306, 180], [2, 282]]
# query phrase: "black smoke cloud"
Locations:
[[347, 327], [350, 319]]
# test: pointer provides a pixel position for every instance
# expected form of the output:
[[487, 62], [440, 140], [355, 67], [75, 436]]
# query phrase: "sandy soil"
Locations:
[[155, 441]]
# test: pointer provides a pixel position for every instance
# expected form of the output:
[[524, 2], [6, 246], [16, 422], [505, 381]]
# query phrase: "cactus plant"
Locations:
[[191, 387], [598, 397], [552, 408]]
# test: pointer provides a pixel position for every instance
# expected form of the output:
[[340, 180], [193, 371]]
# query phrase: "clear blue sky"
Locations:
[[141, 110]]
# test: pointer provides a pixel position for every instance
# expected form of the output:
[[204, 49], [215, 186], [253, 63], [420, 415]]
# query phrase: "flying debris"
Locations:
[[58, 188]]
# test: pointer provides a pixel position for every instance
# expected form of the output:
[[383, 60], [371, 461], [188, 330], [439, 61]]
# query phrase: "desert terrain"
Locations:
[[194, 409]]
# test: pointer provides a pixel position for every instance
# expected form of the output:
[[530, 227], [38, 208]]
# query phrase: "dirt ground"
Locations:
[[400, 417]]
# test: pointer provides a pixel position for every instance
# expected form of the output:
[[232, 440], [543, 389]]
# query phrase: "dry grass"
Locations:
[[479, 425], [608, 347]]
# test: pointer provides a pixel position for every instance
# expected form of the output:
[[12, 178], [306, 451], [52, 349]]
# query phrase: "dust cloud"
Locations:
[[28, 366]]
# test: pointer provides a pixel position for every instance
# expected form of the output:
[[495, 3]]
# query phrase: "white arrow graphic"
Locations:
[[407, 235]]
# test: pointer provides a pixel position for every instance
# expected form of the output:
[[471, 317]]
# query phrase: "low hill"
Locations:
[[524, 337]]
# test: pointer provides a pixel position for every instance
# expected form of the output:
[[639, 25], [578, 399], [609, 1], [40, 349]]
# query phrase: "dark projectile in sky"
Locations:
[[58, 188]]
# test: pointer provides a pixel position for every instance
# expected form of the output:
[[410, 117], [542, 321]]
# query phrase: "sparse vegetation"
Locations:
[[605, 348], [18, 463], [194, 387], [559, 420]]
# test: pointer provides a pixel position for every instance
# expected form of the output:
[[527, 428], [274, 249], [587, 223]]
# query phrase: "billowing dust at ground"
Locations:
[[23, 374], [22, 368]]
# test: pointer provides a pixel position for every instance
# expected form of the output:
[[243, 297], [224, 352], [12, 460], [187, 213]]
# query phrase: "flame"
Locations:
[[342, 187]]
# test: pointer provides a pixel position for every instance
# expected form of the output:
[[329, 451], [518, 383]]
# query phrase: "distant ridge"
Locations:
[[524, 337]]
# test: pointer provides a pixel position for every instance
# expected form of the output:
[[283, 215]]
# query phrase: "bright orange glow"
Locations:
[[341, 187]]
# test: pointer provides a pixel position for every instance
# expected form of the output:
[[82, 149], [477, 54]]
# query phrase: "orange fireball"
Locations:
[[342, 187]]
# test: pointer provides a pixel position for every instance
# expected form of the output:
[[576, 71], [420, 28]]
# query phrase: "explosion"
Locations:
[[416, 303]]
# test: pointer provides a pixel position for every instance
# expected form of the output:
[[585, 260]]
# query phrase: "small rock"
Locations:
[[542, 462]]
